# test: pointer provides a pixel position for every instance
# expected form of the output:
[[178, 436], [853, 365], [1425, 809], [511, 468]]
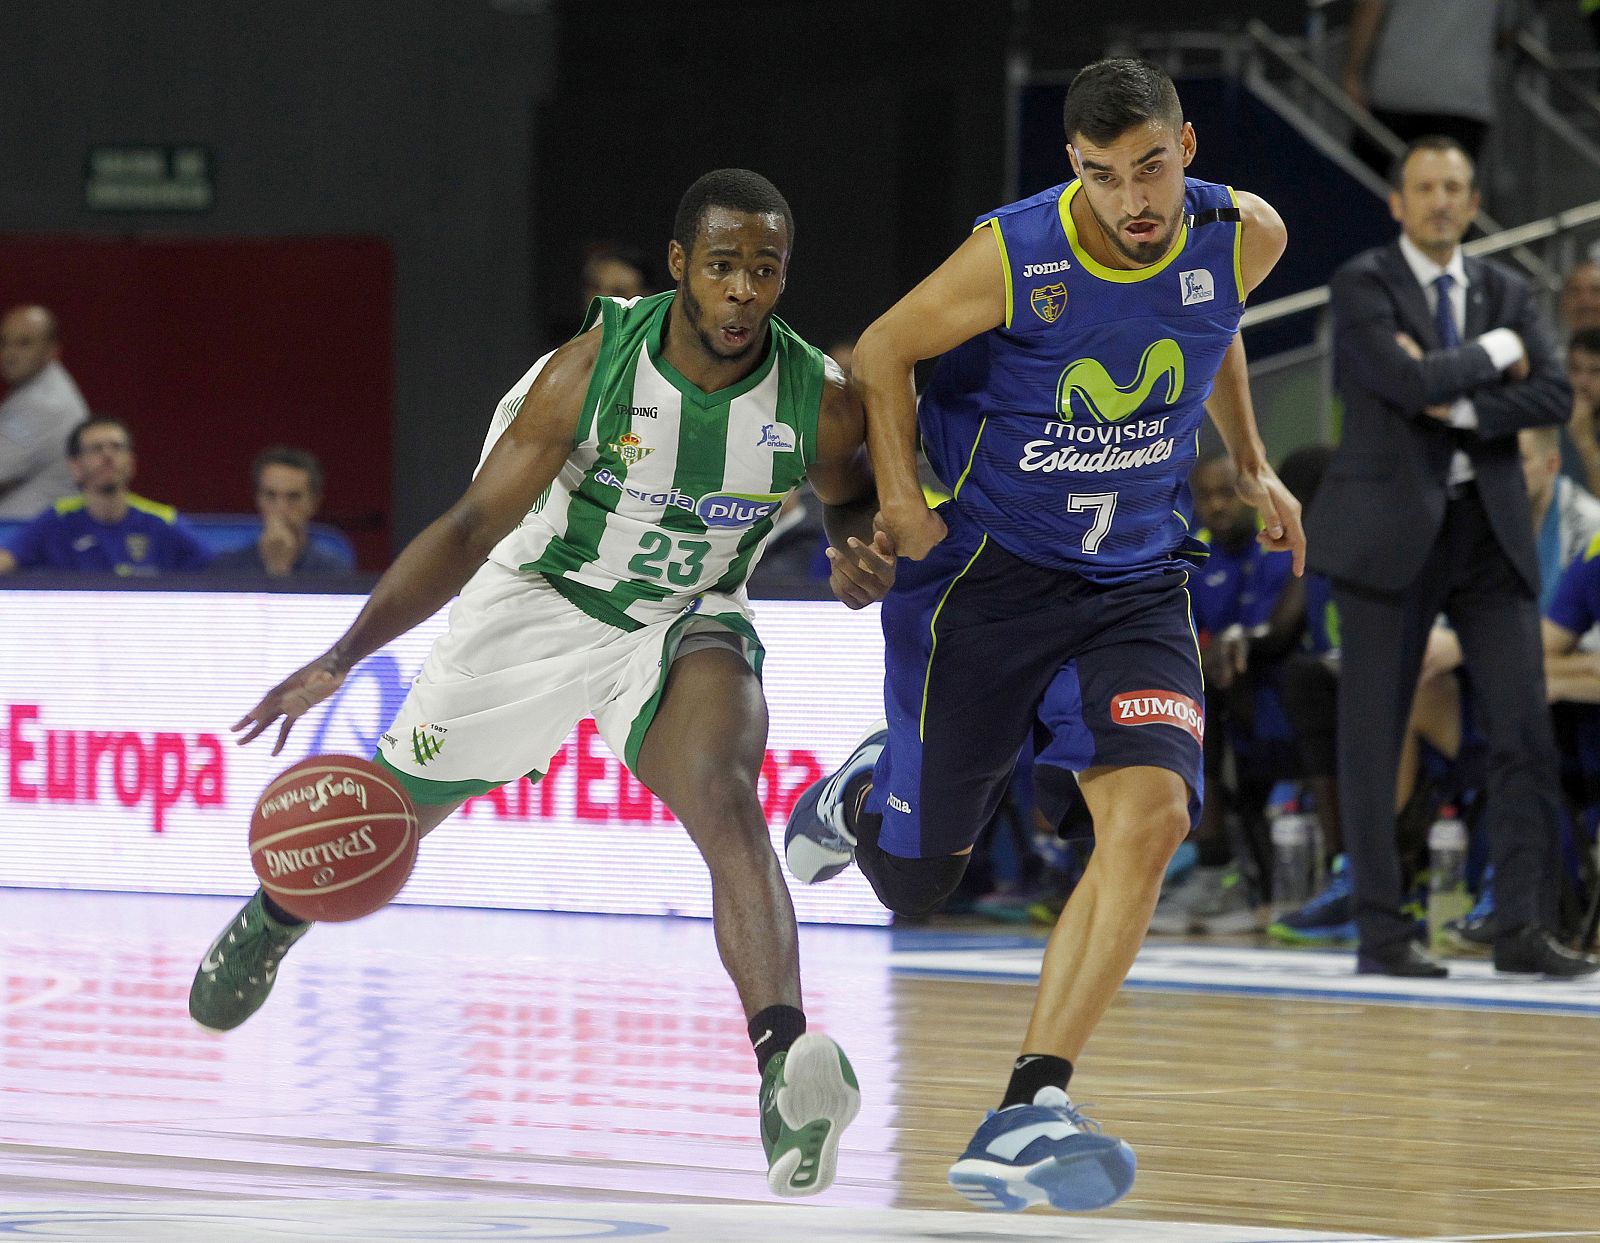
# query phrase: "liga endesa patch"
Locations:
[[1160, 708]]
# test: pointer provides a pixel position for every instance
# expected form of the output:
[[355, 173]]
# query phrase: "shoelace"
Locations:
[[1081, 1120], [264, 954]]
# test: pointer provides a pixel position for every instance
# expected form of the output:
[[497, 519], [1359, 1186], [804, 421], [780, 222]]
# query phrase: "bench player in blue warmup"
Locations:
[[1080, 335]]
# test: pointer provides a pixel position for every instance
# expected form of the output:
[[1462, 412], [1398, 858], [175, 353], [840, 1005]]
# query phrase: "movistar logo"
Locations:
[[1109, 402]]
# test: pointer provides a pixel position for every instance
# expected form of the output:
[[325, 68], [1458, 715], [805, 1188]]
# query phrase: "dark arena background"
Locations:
[[348, 228]]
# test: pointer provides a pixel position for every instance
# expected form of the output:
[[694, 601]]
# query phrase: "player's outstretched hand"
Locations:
[[1280, 514], [291, 699], [863, 573], [913, 527]]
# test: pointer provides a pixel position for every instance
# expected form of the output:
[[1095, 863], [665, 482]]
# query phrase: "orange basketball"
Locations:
[[333, 838]]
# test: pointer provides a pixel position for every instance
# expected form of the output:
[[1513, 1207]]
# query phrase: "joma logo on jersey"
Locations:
[[1086, 385], [1044, 269], [733, 509], [1048, 301], [1160, 708], [630, 449]]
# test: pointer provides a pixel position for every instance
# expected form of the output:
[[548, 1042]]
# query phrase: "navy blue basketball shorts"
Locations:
[[981, 647]]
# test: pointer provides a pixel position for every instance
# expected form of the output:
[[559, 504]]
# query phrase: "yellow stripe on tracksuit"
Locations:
[[933, 632]]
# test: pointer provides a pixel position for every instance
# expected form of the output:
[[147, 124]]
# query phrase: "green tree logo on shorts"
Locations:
[[425, 746]]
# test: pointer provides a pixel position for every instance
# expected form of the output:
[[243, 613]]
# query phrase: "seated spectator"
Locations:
[[288, 492], [41, 408], [1583, 373], [1565, 519], [614, 271], [1571, 674], [1580, 297], [610, 270], [106, 529], [1566, 515], [1249, 611]]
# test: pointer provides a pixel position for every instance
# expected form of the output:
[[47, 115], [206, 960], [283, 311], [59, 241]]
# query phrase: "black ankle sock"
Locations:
[[773, 1030], [278, 914], [1033, 1071]]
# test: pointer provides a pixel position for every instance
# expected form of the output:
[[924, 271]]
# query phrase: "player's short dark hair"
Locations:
[[737, 189], [75, 439], [283, 455], [1428, 142], [1585, 339], [1110, 97]]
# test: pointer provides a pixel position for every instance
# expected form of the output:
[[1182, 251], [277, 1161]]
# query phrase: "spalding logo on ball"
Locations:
[[333, 838]]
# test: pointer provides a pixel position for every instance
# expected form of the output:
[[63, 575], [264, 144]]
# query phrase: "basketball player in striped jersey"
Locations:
[[1082, 335], [626, 486]]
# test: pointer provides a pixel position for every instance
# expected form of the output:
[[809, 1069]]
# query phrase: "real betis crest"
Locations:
[[629, 448]]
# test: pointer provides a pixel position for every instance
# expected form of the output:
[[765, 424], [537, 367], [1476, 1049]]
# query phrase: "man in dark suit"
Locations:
[[1440, 360]]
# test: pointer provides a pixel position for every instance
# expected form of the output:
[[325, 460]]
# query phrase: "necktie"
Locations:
[[1444, 317]]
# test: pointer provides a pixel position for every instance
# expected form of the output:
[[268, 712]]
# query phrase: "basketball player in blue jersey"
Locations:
[[1081, 334]]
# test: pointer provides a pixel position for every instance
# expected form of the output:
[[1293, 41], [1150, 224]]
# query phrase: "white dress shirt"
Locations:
[[1503, 346]]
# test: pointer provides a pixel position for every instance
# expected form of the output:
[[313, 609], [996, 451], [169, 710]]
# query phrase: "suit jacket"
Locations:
[[1381, 505]]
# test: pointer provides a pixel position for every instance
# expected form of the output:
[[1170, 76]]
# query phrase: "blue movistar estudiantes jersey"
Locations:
[[1068, 434]]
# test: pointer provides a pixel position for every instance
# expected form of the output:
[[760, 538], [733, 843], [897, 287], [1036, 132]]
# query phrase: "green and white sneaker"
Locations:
[[808, 1096], [238, 970]]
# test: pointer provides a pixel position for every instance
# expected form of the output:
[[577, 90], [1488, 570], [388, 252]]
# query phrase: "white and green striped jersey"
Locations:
[[670, 491]]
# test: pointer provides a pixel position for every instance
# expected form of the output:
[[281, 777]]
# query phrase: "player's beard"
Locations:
[[1143, 253], [694, 312]]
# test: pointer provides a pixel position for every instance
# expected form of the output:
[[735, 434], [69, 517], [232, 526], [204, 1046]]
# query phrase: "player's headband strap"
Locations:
[[1213, 215]]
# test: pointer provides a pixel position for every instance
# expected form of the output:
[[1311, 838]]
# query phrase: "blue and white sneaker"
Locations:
[[1046, 1152], [1328, 918], [818, 844]]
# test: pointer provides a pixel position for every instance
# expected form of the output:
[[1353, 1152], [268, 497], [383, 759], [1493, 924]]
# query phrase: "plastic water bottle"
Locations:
[[1295, 859], [1448, 898]]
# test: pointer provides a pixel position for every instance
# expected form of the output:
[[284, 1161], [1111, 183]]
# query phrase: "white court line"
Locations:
[[60, 987], [451, 1222]]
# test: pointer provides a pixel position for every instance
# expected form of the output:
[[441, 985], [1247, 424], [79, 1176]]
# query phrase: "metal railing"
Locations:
[[1560, 229]]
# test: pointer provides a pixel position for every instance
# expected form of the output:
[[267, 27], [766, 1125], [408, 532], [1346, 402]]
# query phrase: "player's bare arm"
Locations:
[[862, 557], [1229, 406], [964, 296], [1569, 674], [437, 564]]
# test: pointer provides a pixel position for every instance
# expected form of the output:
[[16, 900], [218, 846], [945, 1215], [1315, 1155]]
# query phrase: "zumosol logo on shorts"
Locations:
[[735, 509], [1160, 708]]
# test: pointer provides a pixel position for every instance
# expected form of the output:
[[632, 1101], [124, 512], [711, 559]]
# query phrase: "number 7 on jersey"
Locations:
[[1104, 504]]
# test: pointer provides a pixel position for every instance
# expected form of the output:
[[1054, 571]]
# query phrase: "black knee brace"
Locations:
[[911, 887]]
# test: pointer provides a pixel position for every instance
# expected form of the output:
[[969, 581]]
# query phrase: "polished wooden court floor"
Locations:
[[589, 1077]]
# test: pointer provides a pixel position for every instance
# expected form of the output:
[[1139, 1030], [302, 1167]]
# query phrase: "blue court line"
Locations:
[[1591, 1010]]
